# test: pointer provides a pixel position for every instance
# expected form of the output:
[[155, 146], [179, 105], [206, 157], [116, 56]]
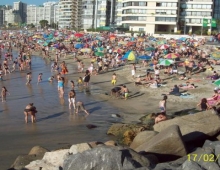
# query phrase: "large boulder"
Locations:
[[37, 152], [125, 133], [167, 145], [107, 158], [74, 149], [142, 137], [194, 127]]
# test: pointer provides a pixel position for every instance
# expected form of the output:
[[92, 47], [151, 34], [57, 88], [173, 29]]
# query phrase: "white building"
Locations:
[[46, 12], [65, 13], [168, 16]]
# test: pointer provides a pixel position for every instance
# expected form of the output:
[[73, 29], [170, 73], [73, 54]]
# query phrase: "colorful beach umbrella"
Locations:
[[166, 62], [144, 57], [217, 82], [77, 46], [182, 39], [171, 56], [164, 46], [130, 55], [86, 50], [161, 42], [215, 55]]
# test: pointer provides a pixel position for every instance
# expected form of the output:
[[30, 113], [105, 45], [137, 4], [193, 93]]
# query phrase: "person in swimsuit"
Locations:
[[204, 104], [163, 103], [71, 99], [113, 79], [28, 77], [80, 105], [4, 93], [39, 79], [72, 84], [61, 87], [50, 79], [30, 109]]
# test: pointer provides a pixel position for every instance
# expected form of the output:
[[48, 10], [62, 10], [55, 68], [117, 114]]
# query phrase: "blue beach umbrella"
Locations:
[[77, 46], [182, 39], [144, 57]]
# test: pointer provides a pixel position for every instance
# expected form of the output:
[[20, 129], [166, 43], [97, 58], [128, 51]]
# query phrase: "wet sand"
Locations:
[[56, 126]]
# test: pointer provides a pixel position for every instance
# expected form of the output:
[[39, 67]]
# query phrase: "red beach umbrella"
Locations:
[[78, 35]]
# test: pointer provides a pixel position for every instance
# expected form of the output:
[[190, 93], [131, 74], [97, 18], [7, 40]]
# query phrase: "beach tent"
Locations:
[[130, 55]]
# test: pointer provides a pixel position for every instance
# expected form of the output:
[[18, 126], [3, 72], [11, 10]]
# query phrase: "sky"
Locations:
[[32, 2]]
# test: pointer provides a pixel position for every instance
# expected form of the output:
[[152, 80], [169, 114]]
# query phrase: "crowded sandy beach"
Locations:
[[161, 77]]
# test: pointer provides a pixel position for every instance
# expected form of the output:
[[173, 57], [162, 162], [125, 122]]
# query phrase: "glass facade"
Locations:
[[216, 14]]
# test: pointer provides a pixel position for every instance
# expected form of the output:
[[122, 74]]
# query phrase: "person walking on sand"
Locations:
[[80, 105], [4, 93], [125, 92], [163, 103], [133, 70], [71, 99], [114, 79]]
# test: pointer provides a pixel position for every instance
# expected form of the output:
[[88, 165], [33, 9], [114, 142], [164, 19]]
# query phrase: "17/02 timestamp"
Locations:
[[203, 157]]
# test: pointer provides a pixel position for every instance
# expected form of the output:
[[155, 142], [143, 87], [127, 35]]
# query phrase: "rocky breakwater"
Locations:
[[169, 146]]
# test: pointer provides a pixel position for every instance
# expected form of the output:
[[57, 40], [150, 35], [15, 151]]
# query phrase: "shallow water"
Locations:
[[56, 126]]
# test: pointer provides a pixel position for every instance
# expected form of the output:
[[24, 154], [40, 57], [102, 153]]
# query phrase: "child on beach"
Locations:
[[80, 81], [113, 79], [72, 84], [50, 79], [39, 79]]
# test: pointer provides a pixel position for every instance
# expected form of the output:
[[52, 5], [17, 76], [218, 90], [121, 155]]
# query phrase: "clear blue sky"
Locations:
[[34, 2]]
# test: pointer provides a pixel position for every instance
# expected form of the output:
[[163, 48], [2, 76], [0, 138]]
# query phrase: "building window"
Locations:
[[141, 29]]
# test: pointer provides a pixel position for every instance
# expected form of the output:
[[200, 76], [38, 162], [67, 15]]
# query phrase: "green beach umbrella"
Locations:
[[166, 62], [100, 54], [150, 49], [217, 82]]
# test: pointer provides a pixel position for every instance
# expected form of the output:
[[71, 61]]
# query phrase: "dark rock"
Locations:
[[217, 154], [167, 145], [191, 165], [106, 158], [90, 126]]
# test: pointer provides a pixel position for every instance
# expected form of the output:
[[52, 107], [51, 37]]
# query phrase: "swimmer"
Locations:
[[50, 79], [39, 79]]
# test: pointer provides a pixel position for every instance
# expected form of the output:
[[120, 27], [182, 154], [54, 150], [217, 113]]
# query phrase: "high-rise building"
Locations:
[[76, 20], [2, 15], [216, 10], [65, 13], [165, 16], [45, 12], [88, 12], [192, 14], [21, 8]]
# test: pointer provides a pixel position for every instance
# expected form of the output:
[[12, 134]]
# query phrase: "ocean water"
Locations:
[[56, 125]]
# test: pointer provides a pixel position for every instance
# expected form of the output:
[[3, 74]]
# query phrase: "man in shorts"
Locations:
[[80, 105]]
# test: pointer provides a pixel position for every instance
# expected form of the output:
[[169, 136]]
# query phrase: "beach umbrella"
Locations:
[[164, 46], [122, 42], [215, 55], [161, 42], [78, 35], [150, 49], [182, 39], [77, 46], [171, 56], [144, 57], [217, 82], [99, 53], [130, 55], [45, 44], [99, 49], [130, 43], [140, 40], [166, 62], [86, 50]]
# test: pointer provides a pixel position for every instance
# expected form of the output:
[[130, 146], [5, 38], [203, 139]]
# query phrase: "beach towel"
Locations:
[[186, 96]]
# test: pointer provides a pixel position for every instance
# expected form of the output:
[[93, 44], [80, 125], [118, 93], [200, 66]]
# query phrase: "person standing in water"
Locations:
[[28, 77], [71, 99], [4, 93], [39, 79], [30, 109]]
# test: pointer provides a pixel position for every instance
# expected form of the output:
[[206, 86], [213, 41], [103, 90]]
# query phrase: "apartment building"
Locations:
[[165, 16], [216, 11], [76, 14], [65, 13], [2, 15], [88, 12], [45, 12]]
